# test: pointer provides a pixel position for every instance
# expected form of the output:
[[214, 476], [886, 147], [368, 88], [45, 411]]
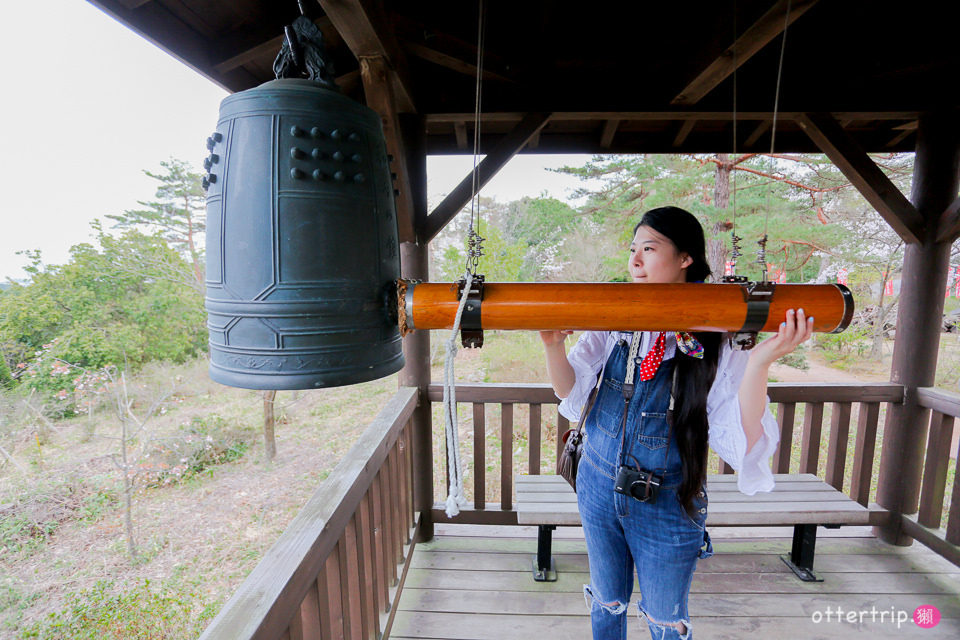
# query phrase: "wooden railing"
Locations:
[[813, 397], [925, 525], [340, 564]]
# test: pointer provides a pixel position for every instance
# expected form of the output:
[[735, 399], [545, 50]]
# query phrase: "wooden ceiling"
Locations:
[[615, 77]]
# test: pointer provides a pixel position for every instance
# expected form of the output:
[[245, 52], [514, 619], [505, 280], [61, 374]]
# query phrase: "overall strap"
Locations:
[[628, 389]]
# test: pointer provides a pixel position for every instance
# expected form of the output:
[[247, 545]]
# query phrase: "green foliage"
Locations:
[[34, 511], [127, 303], [143, 610], [203, 443]]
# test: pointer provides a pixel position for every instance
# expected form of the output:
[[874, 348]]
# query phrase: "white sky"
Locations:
[[87, 105]]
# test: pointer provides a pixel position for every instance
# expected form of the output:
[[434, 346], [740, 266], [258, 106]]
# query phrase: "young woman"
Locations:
[[719, 397]]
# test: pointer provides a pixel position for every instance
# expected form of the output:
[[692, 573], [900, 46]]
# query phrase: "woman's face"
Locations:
[[654, 258]]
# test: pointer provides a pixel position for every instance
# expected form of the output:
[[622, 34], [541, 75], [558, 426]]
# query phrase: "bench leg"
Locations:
[[544, 568], [801, 555]]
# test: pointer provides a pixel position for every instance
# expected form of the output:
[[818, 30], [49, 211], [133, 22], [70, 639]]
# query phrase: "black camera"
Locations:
[[638, 483]]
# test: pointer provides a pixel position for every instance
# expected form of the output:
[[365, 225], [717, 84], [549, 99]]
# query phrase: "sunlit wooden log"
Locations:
[[622, 306]]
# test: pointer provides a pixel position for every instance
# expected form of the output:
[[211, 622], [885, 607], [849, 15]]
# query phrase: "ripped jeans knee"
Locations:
[[679, 629], [615, 608]]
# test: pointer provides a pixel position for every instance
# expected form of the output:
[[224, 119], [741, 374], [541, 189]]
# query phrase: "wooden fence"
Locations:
[[814, 398]]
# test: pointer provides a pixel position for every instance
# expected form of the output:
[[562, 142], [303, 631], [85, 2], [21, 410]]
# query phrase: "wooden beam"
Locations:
[[759, 35], [865, 175], [508, 147], [949, 227], [365, 31], [609, 130], [761, 129], [379, 93], [460, 131], [685, 130], [450, 62]]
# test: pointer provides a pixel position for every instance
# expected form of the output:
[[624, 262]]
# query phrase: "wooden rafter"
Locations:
[[253, 47], [508, 147], [450, 62], [759, 35], [609, 130], [949, 227], [379, 92], [363, 29], [865, 175], [684, 131]]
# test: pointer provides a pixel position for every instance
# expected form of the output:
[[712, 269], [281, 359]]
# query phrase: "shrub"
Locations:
[[202, 443], [142, 611]]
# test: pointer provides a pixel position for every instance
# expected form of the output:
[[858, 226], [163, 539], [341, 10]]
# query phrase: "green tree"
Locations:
[[101, 308], [178, 213]]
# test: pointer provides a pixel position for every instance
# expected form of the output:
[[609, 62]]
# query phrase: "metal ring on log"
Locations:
[[613, 306]]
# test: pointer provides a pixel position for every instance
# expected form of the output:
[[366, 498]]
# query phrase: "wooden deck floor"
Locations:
[[475, 583]]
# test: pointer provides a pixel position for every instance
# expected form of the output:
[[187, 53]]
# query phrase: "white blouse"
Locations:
[[727, 437]]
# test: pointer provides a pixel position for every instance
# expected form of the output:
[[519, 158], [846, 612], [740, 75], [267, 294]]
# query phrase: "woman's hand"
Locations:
[[797, 328], [551, 338]]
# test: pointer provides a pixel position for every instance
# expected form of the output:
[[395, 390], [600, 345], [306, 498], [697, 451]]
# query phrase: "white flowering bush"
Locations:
[[201, 444]]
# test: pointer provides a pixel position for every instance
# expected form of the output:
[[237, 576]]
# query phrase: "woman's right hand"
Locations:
[[553, 337]]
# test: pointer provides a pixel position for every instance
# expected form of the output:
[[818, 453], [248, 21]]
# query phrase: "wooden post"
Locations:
[[415, 264], [924, 279]]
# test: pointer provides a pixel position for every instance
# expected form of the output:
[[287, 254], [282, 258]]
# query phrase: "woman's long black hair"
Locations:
[[694, 376]]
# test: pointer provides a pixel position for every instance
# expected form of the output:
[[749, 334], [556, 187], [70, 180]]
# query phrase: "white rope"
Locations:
[[456, 497]]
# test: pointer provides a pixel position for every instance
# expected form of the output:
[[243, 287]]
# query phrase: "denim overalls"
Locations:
[[659, 539]]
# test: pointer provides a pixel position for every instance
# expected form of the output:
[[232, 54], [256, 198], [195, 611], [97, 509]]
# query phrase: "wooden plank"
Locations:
[[837, 451], [865, 175], [400, 527], [810, 445], [685, 128], [368, 592], [479, 456], [533, 439], [933, 489], [506, 456], [784, 498], [504, 150], [470, 515], [932, 538], [785, 418], [460, 131], [389, 526], [940, 400], [755, 38], [491, 392], [309, 618], [367, 34], [949, 226], [760, 129], [835, 392], [350, 583], [381, 570], [953, 518], [576, 626], [609, 130], [329, 594], [405, 460], [378, 90], [785, 582], [863, 456]]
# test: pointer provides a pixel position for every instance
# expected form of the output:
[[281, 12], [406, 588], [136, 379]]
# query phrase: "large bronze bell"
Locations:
[[302, 250]]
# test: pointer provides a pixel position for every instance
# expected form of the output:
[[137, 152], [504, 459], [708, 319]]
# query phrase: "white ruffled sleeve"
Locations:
[[587, 358], [727, 437]]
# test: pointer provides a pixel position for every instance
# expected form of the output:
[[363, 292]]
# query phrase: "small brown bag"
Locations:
[[573, 446]]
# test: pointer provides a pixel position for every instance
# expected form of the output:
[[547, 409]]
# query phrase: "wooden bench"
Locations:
[[798, 499]]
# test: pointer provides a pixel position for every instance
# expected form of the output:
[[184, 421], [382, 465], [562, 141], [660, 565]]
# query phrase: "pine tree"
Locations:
[[179, 212]]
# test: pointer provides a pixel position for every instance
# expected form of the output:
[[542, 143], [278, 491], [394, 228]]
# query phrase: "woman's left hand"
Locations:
[[796, 329]]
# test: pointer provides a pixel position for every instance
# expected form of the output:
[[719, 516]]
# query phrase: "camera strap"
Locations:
[[628, 389]]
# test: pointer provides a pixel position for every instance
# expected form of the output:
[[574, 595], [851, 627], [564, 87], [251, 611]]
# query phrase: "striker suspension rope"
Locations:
[[455, 496]]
